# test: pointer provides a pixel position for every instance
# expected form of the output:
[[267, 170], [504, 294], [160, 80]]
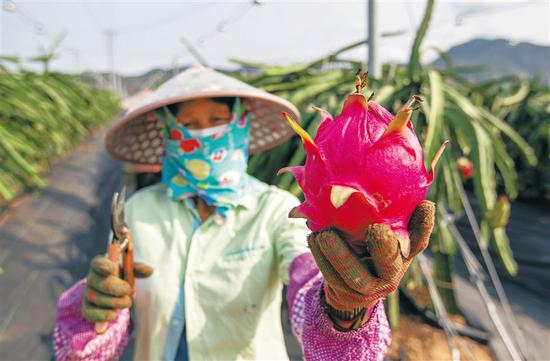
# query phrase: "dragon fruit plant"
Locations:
[[364, 167]]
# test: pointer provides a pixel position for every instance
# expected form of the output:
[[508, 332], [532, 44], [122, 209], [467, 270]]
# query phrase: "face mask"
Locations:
[[210, 163], [208, 132]]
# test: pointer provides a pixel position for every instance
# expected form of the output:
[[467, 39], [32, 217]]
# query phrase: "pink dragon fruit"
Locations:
[[363, 167]]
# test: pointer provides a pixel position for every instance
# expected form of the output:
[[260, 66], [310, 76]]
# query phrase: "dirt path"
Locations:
[[46, 244]]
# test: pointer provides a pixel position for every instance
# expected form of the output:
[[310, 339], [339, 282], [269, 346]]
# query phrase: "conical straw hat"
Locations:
[[137, 137]]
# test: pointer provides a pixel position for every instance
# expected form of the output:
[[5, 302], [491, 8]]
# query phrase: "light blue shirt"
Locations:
[[178, 318], [231, 274]]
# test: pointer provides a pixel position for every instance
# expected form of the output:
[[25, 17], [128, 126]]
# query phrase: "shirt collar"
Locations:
[[251, 193]]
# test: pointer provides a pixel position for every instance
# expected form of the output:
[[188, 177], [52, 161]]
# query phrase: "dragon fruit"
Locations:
[[466, 167], [364, 167]]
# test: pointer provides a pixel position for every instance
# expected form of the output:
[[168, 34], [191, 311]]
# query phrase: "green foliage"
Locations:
[[41, 117], [443, 275], [490, 124], [415, 66], [392, 303], [525, 107], [449, 112]]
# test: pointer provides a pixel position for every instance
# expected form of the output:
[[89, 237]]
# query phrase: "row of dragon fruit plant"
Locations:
[[42, 116], [482, 121]]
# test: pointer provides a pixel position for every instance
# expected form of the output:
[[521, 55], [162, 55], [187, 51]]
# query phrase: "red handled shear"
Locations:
[[121, 247]]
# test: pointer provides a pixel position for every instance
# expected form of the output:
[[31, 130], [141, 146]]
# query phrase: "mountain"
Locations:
[[131, 84], [499, 57], [485, 58]]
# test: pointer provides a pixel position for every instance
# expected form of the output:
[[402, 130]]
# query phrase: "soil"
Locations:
[[414, 340], [420, 295]]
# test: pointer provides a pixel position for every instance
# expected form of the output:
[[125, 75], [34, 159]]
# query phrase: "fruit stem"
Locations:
[[361, 84], [370, 97]]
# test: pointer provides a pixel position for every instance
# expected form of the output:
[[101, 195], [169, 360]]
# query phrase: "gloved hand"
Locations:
[[355, 282], [105, 292]]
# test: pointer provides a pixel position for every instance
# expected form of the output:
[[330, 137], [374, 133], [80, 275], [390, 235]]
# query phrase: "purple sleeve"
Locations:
[[74, 337], [313, 328]]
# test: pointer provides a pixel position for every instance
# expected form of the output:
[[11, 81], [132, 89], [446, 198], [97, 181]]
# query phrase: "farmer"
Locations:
[[217, 245]]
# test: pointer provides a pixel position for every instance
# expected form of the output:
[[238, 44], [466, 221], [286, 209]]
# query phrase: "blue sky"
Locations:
[[148, 33]]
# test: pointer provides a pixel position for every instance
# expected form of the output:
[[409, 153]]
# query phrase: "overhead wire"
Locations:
[[90, 13], [15, 8], [219, 28], [222, 25], [136, 28], [498, 7], [190, 48]]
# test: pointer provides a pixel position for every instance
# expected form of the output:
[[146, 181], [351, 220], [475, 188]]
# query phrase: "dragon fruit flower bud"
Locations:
[[466, 167], [364, 167]]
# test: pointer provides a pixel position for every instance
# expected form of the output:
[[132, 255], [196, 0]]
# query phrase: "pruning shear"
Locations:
[[121, 247]]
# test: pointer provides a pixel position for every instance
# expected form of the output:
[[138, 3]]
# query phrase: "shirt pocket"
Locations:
[[247, 255], [242, 278]]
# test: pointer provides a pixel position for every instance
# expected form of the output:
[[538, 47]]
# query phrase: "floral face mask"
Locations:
[[209, 163]]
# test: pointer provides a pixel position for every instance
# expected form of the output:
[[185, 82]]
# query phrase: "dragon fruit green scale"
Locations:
[[364, 167]]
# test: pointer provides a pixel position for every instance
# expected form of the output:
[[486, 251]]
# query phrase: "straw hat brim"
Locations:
[[136, 137]]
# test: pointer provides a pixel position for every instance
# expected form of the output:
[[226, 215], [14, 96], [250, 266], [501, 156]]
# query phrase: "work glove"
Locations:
[[105, 292], [354, 282]]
